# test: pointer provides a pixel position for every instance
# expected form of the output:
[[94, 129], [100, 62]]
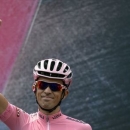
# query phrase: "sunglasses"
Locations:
[[53, 86]]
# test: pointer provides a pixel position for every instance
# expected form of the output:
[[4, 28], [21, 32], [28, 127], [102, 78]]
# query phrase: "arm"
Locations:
[[14, 117], [3, 103]]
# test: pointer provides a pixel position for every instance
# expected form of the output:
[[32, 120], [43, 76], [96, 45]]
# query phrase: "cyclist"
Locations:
[[52, 79]]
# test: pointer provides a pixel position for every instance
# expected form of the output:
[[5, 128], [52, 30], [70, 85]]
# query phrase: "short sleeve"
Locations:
[[6, 114], [14, 117]]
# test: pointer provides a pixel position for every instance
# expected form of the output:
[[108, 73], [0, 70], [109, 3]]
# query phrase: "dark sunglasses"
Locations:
[[53, 86]]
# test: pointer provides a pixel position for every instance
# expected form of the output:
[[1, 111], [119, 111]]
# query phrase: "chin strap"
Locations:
[[52, 109]]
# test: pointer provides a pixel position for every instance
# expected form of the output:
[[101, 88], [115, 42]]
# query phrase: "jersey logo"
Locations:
[[41, 116], [72, 119], [56, 116], [18, 112], [33, 115]]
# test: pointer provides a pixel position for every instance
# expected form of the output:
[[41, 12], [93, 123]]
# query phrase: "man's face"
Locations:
[[48, 98]]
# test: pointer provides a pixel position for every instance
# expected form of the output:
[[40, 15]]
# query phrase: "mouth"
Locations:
[[46, 98]]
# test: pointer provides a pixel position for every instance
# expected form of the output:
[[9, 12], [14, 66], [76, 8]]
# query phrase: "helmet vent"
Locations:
[[59, 66], [39, 64], [45, 64], [66, 68], [52, 65], [70, 75]]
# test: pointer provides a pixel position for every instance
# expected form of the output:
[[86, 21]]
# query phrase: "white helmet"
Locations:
[[53, 68]]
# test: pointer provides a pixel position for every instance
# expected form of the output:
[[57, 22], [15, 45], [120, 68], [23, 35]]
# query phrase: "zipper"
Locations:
[[48, 125]]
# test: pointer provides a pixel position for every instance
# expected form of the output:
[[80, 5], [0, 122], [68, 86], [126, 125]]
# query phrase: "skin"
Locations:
[[47, 98], [3, 103]]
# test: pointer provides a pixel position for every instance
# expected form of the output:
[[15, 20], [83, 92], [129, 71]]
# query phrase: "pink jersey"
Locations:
[[17, 119]]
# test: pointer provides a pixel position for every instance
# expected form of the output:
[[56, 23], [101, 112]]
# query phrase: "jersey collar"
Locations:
[[49, 117]]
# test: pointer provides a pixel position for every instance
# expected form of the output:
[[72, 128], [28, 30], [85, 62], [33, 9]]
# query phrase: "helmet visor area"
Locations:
[[48, 74]]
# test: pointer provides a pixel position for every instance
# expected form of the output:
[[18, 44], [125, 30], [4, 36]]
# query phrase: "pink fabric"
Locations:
[[16, 16], [17, 119]]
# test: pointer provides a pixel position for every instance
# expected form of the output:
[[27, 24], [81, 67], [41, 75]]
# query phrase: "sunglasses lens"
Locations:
[[53, 86], [42, 85]]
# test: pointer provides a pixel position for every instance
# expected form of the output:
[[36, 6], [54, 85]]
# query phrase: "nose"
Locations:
[[47, 90]]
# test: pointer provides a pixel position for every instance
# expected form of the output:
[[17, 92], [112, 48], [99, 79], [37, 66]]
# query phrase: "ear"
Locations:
[[34, 88]]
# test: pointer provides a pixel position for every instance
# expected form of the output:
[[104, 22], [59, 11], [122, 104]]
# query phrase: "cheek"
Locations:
[[57, 96], [38, 93]]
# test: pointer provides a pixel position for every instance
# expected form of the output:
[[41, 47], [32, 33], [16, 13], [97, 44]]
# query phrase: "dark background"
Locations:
[[93, 37]]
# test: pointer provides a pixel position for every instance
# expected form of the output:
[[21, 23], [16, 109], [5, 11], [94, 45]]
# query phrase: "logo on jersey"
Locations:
[[18, 112], [41, 116], [56, 116], [33, 115]]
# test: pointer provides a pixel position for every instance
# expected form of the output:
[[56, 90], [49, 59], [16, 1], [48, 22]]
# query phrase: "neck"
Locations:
[[50, 113]]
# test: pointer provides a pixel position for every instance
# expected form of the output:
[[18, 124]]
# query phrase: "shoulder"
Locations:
[[78, 123], [14, 115], [26, 117], [33, 116], [11, 110]]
